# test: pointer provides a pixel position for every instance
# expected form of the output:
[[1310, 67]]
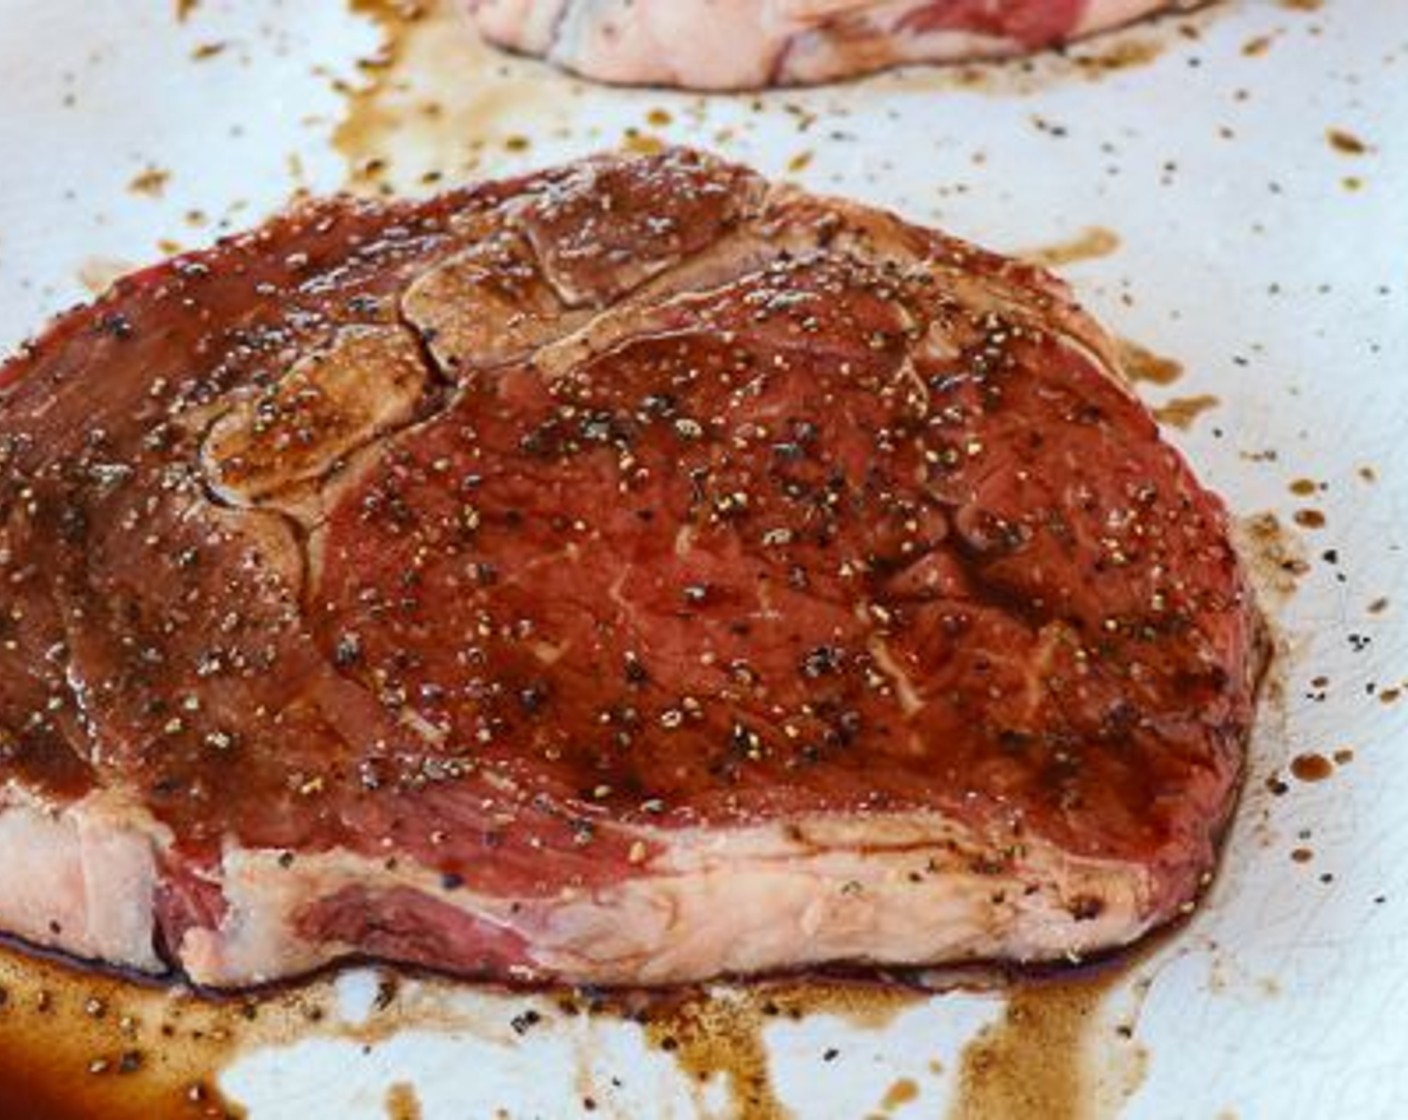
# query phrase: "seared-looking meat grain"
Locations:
[[631, 573], [750, 44]]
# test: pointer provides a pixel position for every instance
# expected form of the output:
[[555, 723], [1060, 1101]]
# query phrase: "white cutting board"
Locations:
[[1269, 262]]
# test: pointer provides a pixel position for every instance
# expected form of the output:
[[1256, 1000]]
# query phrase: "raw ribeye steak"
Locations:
[[752, 44], [627, 574]]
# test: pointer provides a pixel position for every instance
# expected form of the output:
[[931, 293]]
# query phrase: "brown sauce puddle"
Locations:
[[1040, 1058], [711, 1036], [1043, 1057], [78, 1043]]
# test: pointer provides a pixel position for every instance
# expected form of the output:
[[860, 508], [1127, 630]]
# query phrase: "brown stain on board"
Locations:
[[903, 1091], [150, 181], [77, 1044], [1037, 1060], [1141, 365], [1091, 243], [1043, 1058], [720, 1036], [1345, 142], [423, 110], [1275, 554], [1183, 412], [1311, 767], [402, 1102], [714, 1035]]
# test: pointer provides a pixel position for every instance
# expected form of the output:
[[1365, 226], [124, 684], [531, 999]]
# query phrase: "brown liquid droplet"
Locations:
[[1182, 412], [1089, 244], [1311, 767], [1141, 364], [800, 162], [1343, 756], [1346, 143], [1302, 855], [151, 182], [1302, 487], [901, 1092], [402, 1102], [1309, 518]]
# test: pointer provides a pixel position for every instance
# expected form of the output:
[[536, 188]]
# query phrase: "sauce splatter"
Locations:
[[415, 119], [76, 1044], [712, 1036], [1275, 554], [903, 1091], [1344, 142], [1183, 412], [1090, 244], [1140, 364], [150, 181], [1035, 1060], [402, 1102], [719, 1033], [1311, 767]]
